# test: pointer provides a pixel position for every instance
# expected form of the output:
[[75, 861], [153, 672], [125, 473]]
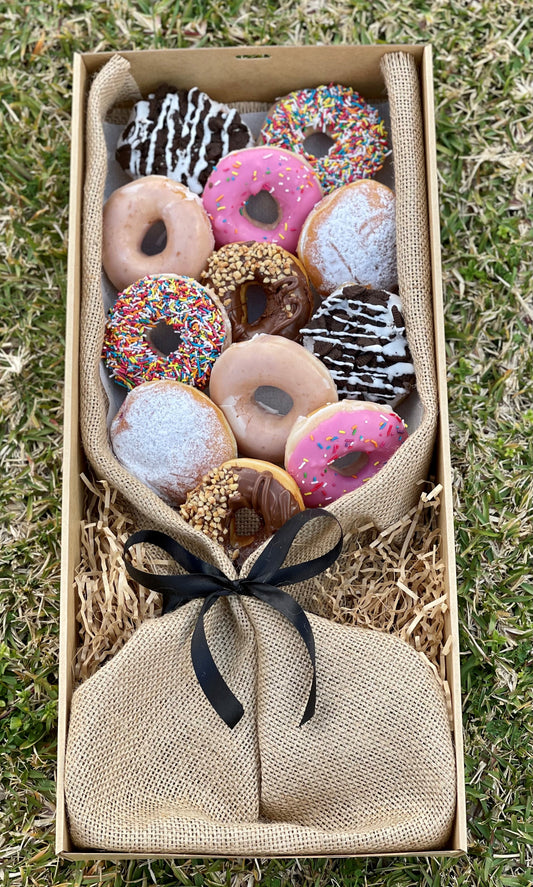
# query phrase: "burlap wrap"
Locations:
[[150, 767], [395, 489]]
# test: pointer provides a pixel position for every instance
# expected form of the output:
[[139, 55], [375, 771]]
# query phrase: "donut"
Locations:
[[334, 432], [241, 383], [359, 140], [239, 272], [192, 318], [168, 435], [129, 214], [180, 133], [351, 236], [288, 179], [359, 334], [250, 484]]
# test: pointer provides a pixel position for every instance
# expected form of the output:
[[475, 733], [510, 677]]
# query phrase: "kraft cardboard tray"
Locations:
[[242, 75]]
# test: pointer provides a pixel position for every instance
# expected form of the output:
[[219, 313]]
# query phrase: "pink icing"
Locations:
[[288, 178], [375, 434]]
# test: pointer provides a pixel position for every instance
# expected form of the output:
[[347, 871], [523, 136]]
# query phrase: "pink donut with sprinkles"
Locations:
[[369, 432], [292, 190], [165, 327], [358, 134]]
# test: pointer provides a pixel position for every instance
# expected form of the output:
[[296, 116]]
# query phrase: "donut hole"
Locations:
[[247, 524], [256, 302], [273, 400], [163, 338], [318, 144], [155, 239], [262, 210], [351, 464]]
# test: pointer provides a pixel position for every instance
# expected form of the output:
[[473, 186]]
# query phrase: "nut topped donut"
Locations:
[[171, 310], [242, 486], [181, 134], [129, 215], [276, 177], [359, 141], [252, 275]]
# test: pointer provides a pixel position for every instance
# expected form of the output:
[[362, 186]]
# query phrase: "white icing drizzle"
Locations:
[[367, 329], [143, 135]]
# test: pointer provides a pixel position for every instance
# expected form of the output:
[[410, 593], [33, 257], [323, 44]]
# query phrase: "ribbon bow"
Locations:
[[263, 582]]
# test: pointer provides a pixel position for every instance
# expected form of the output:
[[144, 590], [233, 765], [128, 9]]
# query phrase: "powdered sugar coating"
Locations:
[[168, 435], [351, 235]]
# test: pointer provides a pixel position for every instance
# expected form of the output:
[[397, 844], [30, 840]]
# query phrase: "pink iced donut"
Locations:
[[369, 430], [289, 179]]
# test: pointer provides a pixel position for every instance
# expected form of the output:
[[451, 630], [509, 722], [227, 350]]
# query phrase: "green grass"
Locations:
[[484, 94]]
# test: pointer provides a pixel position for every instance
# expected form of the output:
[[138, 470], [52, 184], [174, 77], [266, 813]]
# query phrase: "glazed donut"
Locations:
[[250, 484], [168, 435], [181, 134], [133, 210], [359, 139], [179, 304], [290, 181], [268, 362], [334, 432], [239, 269], [359, 334], [351, 236]]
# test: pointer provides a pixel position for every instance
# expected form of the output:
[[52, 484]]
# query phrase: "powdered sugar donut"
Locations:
[[181, 134], [359, 139], [168, 435], [368, 431], [129, 214], [351, 236], [287, 178]]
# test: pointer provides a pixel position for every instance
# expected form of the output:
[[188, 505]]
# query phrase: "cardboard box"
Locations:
[[231, 75]]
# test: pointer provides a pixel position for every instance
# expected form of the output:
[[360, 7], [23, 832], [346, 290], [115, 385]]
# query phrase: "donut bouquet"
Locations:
[[244, 370], [257, 326]]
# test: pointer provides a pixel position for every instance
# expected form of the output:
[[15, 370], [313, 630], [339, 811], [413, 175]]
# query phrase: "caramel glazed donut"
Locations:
[[251, 484], [237, 269]]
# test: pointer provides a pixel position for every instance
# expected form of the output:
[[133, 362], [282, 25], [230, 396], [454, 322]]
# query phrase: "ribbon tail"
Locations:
[[225, 703], [286, 605]]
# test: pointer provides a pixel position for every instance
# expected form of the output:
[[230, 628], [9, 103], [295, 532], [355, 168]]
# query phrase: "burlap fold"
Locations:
[[395, 488], [151, 768]]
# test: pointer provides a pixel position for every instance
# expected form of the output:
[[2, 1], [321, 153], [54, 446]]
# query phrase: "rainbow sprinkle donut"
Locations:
[[195, 316], [359, 137]]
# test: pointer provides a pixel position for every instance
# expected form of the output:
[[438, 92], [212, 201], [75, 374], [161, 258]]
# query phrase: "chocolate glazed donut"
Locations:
[[248, 484], [238, 270]]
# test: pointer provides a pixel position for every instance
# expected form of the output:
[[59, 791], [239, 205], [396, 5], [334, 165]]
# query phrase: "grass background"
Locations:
[[484, 94]]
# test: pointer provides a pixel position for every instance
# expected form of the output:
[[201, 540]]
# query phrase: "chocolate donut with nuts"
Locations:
[[242, 485], [267, 273]]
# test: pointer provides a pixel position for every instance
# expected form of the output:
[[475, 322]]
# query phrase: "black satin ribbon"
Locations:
[[263, 582]]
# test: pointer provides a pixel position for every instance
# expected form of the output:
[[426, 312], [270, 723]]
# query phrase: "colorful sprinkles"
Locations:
[[359, 138], [187, 308]]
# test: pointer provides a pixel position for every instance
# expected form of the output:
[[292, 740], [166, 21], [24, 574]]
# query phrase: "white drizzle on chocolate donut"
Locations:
[[181, 134], [359, 334]]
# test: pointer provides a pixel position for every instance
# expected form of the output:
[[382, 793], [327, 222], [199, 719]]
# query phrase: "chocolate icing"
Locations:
[[266, 496], [359, 334], [181, 134]]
